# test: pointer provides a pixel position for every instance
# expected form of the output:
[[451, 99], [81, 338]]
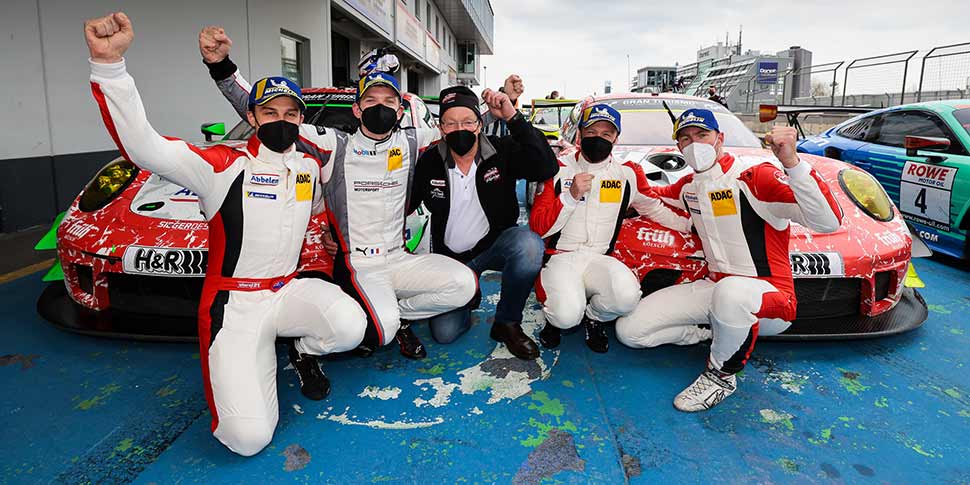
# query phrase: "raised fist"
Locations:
[[582, 184], [108, 37], [214, 44], [499, 104], [782, 140], [514, 87]]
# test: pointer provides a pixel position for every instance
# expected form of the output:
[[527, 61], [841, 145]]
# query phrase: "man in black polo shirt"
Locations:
[[468, 183]]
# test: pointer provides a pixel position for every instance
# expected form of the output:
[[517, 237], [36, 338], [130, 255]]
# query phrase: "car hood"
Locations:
[[159, 198]]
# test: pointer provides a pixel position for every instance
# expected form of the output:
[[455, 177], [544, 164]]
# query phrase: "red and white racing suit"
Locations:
[[258, 204], [366, 187], [741, 208], [580, 235]]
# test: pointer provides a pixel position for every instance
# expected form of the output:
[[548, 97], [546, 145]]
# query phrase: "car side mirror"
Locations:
[[915, 144], [213, 129]]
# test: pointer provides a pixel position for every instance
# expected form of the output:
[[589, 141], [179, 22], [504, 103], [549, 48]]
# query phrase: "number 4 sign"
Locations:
[[924, 193]]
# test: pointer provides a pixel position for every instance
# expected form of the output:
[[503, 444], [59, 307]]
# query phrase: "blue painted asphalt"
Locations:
[[86, 410]]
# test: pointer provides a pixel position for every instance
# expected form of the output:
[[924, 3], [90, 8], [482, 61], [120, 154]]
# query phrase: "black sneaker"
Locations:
[[314, 384], [550, 336], [411, 346], [596, 338]]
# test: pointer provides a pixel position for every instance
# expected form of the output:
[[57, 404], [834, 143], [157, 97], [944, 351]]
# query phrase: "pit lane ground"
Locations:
[[79, 409]]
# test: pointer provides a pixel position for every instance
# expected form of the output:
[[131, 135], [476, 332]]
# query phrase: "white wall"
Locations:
[[23, 126], [164, 60]]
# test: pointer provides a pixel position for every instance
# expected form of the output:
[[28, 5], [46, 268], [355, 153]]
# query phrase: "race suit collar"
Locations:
[[585, 166], [721, 167], [258, 150], [367, 143]]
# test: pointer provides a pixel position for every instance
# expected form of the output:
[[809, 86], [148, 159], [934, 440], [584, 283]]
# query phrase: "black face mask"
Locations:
[[379, 119], [595, 149], [461, 141], [278, 135]]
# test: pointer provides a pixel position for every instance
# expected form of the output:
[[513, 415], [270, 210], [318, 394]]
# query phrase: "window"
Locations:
[[437, 28], [857, 130], [417, 10], [894, 127], [295, 58], [428, 12], [963, 117], [466, 58]]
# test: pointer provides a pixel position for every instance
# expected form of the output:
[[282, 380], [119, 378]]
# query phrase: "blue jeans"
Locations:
[[517, 253]]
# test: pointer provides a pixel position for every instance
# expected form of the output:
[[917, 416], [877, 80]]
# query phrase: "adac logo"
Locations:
[[610, 191], [610, 184], [304, 187], [722, 202], [395, 159], [721, 195]]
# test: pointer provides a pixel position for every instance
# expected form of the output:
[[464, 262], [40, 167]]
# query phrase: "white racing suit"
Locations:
[[741, 209], [258, 204], [580, 235], [366, 191]]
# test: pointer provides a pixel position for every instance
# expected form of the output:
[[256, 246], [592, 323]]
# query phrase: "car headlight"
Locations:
[[107, 184], [866, 193]]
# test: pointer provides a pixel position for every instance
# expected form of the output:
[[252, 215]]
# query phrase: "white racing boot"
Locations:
[[707, 391]]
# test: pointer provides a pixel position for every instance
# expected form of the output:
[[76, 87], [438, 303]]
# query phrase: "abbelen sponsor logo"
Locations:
[[165, 262], [816, 264], [655, 237], [264, 179], [437, 183]]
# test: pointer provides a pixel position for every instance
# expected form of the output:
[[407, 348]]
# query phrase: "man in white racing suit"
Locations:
[[579, 213], [369, 175], [742, 208], [258, 201]]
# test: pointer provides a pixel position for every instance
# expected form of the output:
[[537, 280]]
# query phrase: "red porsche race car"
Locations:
[[132, 248], [850, 283]]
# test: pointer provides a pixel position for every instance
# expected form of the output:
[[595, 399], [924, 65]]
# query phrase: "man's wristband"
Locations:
[[222, 69]]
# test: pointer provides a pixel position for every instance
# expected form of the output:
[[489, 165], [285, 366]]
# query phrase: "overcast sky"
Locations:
[[574, 46]]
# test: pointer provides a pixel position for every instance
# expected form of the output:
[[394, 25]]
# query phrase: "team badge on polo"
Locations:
[[304, 187], [722, 202], [610, 191], [395, 159]]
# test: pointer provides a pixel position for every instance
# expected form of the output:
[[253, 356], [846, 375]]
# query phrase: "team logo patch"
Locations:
[[437, 193], [304, 187], [264, 179], [610, 191], [260, 195], [722, 202], [492, 175], [395, 159], [437, 183]]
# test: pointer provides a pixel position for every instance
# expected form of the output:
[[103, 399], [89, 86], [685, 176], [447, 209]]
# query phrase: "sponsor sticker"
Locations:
[[304, 186], [365, 153], [437, 183], [655, 237], [183, 226], [260, 195], [164, 261], [77, 229], [816, 265], [610, 191], [270, 179], [722, 202], [925, 193], [437, 193], [395, 159], [375, 251]]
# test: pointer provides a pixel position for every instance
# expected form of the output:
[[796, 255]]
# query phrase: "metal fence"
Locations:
[[939, 73]]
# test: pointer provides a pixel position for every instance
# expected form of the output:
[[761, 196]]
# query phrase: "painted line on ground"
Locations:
[[29, 270]]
